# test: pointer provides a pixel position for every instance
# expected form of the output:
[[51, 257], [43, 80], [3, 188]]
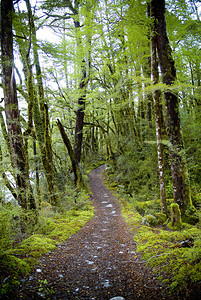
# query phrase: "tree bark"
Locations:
[[181, 189]]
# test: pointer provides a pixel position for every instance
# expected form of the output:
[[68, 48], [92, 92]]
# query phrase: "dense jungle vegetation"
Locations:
[[88, 82]]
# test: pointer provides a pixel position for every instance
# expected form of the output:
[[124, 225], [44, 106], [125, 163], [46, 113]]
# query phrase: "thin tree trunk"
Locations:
[[181, 188], [75, 167], [37, 174]]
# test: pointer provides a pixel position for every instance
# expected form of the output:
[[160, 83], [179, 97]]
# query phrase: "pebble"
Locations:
[[106, 283], [117, 298], [38, 270], [109, 205]]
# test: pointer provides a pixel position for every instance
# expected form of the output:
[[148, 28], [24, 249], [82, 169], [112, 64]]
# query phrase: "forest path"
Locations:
[[98, 262]]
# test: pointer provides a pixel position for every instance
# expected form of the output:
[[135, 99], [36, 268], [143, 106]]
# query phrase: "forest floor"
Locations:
[[98, 262]]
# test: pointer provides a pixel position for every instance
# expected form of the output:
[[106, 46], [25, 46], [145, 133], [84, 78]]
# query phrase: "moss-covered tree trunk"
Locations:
[[41, 134], [176, 216], [40, 115], [181, 189], [159, 125], [16, 144]]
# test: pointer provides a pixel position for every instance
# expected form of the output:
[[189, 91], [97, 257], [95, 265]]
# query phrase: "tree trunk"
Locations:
[[79, 125], [40, 115], [76, 170], [159, 125], [37, 174], [176, 216], [181, 189], [25, 195]]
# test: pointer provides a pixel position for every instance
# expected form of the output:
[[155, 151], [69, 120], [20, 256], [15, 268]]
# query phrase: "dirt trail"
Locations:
[[98, 262]]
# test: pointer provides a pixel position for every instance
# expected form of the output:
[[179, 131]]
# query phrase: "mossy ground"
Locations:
[[162, 247], [176, 265], [51, 230]]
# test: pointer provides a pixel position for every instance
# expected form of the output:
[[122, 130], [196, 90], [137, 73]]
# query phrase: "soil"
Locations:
[[99, 262]]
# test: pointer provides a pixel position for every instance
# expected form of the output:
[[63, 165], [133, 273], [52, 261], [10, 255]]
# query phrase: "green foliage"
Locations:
[[93, 162], [44, 289], [191, 215], [8, 226], [149, 206], [136, 170]]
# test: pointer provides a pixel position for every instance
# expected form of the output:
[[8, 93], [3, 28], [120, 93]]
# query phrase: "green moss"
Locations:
[[14, 268], [91, 165], [161, 218], [35, 246], [149, 220], [151, 206], [176, 222], [65, 228], [52, 229], [191, 215], [176, 265]]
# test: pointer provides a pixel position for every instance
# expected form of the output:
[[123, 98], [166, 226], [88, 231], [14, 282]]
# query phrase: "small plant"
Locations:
[[44, 289]]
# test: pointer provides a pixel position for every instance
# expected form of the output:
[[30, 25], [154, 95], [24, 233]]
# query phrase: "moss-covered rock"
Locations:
[[161, 218], [175, 265], [154, 220], [149, 220]]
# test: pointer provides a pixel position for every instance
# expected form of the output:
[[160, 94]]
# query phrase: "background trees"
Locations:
[[94, 75]]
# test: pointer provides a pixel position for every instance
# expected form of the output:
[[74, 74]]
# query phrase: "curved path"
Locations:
[[98, 262]]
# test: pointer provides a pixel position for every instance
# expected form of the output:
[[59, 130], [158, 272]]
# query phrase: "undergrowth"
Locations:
[[18, 257], [164, 250]]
